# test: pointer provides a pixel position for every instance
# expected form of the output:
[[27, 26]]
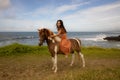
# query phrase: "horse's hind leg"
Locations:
[[73, 58], [82, 57]]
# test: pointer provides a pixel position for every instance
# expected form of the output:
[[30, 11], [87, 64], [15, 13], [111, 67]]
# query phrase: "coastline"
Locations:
[[87, 38]]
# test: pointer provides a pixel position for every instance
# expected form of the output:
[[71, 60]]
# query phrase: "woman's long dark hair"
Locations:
[[62, 25]]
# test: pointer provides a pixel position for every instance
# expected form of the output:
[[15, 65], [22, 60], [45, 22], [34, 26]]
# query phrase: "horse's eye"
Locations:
[[40, 32]]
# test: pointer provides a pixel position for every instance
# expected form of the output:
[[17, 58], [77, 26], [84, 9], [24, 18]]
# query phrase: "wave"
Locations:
[[96, 38], [18, 38], [25, 37], [118, 45]]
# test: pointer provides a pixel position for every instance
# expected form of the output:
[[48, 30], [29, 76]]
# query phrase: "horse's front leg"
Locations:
[[55, 63], [54, 60]]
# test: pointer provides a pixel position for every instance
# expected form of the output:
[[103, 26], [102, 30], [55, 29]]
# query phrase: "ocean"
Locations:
[[87, 38]]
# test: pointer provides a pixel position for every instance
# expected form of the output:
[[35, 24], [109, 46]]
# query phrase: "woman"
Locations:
[[65, 44]]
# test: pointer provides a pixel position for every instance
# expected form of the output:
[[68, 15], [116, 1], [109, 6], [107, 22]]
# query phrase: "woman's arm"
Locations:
[[59, 32]]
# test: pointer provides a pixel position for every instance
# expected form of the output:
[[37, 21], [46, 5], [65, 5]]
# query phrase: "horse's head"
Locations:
[[43, 35]]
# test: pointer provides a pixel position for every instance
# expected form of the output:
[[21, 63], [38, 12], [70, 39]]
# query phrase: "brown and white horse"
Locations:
[[53, 46]]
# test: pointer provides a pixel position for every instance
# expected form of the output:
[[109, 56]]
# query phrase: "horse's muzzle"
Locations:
[[40, 44]]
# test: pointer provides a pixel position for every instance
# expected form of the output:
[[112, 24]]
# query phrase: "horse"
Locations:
[[53, 46]]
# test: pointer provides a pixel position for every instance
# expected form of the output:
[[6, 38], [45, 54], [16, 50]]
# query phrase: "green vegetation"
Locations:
[[18, 49], [25, 62]]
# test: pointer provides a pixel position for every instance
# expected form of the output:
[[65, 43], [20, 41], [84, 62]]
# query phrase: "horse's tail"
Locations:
[[78, 41]]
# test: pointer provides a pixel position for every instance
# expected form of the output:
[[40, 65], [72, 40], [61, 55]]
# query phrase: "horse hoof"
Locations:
[[53, 68], [83, 65], [55, 71], [66, 56], [71, 65]]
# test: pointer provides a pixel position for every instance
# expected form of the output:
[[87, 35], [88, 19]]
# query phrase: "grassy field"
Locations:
[[23, 62]]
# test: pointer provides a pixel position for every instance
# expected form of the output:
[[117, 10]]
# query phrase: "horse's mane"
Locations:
[[57, 38], [49, 33]]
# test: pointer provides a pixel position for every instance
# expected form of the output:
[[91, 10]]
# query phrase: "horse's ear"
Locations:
[[44, 30], [38, 29]]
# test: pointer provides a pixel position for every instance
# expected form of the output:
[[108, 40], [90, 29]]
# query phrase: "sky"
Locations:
[[77, 15]]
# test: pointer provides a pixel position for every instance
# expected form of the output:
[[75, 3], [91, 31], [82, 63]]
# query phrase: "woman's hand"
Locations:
[[51, 36]]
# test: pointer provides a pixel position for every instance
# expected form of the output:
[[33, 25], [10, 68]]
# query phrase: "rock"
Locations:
[[112, 38]]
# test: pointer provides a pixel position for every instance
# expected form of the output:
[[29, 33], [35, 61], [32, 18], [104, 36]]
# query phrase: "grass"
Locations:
[[19, 49], [24, 62]]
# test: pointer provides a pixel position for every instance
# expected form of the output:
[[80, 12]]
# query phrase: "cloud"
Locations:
[[11, 9], [55, 10], [103, 18], [7, 10], [4, 4], [94, 18], [23, 25], [65, 8], [46, 10]]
